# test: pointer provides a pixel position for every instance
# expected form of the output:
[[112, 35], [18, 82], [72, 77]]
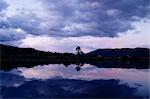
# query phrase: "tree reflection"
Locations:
[[79, 66]]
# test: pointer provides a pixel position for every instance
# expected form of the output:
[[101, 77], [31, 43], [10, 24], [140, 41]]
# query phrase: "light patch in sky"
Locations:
[[17, 6]]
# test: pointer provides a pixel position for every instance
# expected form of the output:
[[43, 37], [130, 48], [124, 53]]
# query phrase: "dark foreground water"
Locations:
[[58, 81]]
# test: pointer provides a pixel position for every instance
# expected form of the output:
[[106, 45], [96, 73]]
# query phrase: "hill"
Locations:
[[124, 52]]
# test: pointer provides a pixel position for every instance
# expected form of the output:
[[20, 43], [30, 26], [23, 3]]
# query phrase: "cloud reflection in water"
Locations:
[[88, 79]]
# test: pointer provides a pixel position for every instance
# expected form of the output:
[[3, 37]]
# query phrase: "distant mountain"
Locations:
[[10, 52], [136, 52]]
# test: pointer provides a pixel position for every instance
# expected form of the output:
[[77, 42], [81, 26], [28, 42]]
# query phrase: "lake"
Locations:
[[82, 81]]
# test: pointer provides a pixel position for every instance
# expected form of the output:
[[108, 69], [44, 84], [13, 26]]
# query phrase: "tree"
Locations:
[[78, 49]]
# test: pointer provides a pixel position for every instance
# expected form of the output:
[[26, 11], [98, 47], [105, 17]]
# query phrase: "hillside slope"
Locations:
[[137, 52]]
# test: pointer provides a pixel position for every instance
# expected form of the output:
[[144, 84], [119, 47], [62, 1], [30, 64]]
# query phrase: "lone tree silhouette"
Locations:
[[79, 51]]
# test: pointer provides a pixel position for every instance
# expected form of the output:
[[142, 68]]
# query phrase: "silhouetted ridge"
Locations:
[[12, 57], [137, 52]]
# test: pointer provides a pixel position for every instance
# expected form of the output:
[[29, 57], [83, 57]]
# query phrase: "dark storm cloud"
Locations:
[[73, 18], [11, 35], [129, 8], [7, 33], [95, 17], [29, 23]]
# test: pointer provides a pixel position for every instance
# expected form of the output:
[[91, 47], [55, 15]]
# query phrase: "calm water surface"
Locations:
[[51, 81]]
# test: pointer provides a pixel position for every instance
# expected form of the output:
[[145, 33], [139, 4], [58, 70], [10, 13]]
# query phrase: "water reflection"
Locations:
[[79, 66], [69, 88], [60, 81], [99, 64]]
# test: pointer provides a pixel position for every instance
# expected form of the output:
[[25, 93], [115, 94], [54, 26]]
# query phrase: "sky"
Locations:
[[62, 25]]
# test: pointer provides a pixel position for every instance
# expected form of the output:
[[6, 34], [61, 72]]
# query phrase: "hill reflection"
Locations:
[[79, 64]]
